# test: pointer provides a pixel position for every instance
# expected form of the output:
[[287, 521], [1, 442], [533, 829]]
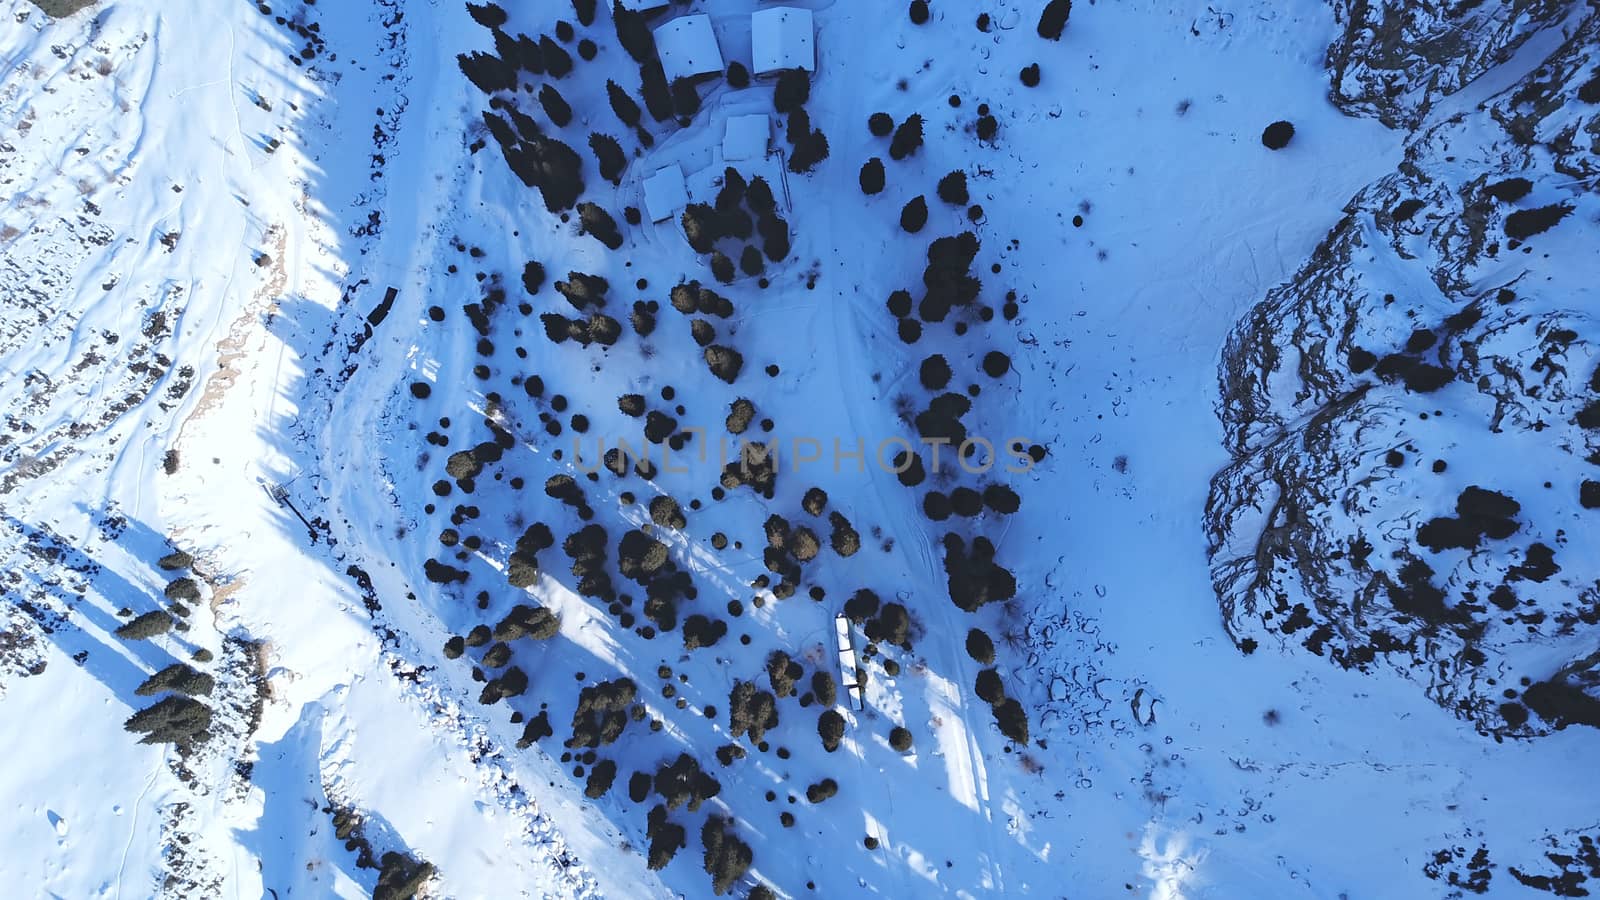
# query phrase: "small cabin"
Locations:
[[747, 137], [847, 663], [688, 47], [782, 38], [665, 193]]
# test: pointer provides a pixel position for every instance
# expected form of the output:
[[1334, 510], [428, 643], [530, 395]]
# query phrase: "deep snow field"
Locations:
[[199, 224]]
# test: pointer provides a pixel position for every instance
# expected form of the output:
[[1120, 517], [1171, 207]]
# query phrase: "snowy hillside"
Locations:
[[806, 449]]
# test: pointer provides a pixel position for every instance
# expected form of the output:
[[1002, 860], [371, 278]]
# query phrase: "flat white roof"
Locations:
[[747, 137], [782, 38], [642, 5], [665, 194], [688, 47]]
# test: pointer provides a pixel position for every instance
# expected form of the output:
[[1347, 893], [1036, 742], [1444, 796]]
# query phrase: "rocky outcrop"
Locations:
[[1415, 417], [1393, 59]]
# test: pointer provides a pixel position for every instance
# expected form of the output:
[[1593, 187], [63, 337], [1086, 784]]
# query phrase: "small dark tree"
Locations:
[[724, 362], [918, 12], [1277, 135], [872, 176], [738, 76], [979, 647], [989, 688], [774, 236], [740, 414], [830, 727], [727, 858], [914, 215], [600, 779], [751, 262], [685, 99], [880, 124], [171, 720], [557, 62], [657, 93], [1012, 719], [532, 277], [721, 267], [792, 91], [146, 626], [953, 188], [822, 686], [179, 678], [555, 106], [585, 10], [488, 15], [701, 226], [610, 156], [861, 606], [1054, 19], [1030, 75], [666, 838], [622, 104], [899, 739], [633, 33], [400, 877], [598, 224], [487, 72], [536, 622], [907, 138]]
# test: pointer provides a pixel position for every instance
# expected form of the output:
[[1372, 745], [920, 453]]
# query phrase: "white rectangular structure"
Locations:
[[847, 663], [747, 137], [782, 38], [642, 5], [688, 47], [665, 193]]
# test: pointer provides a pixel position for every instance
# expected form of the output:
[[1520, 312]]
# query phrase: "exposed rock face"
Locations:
[[1415, 416], [1395, 58]]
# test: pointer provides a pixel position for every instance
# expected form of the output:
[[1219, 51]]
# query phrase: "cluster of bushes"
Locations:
[[808, 146], [727, 858], [1480, 513], [177, 718], [756, 468], [683, 781], [968, 503], [522, 567], [973, 577], [743, 210], [1009, 715], [751, 711], [602, 713]]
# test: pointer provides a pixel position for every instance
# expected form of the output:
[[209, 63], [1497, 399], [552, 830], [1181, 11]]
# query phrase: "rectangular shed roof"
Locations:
[[782, 38], [642, 5], [747, 137], [664, 193], [688, 47]]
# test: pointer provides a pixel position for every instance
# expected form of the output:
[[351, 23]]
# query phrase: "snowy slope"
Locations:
[[208, 209]]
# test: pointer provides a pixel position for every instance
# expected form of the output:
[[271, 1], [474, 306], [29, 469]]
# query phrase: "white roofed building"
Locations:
[[782, 38], [643, 5], [688, 47], [747, 137], [665, 193]]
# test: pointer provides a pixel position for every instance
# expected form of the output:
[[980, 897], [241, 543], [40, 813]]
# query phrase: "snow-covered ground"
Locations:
[[199, 223]]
